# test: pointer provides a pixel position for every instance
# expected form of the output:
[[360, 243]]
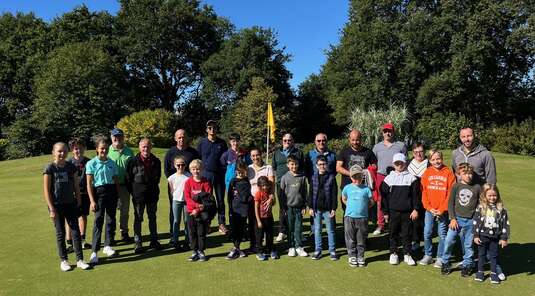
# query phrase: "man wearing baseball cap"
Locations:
[[384, 151]]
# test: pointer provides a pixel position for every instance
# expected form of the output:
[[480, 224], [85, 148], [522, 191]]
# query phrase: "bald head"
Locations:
[[355, 137]]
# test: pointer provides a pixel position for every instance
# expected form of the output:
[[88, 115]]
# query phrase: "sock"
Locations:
[[69, 241]]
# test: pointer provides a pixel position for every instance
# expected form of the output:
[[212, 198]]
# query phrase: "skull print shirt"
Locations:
[[491, 222], [463, 200]]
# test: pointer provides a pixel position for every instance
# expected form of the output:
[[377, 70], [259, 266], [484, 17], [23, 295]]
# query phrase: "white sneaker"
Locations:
[[426, 260], [93, 259], [394, 259], [81, 264], [301, 252], [280, 237], [408, 259], [377, 231], [64, 265], [291, 252], [438, 263], [108, 251], [501, 276]]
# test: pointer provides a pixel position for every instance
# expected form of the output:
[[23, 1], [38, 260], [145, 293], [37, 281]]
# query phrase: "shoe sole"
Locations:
[[478, 280]]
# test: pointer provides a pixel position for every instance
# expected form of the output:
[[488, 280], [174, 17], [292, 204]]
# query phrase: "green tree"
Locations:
[[165, 42], [79, 93], [249, 115]]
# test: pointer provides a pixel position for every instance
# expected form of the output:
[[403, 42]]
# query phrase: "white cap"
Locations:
[[399, 157]]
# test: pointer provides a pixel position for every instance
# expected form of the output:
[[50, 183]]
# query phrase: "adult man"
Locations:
[[143, 178], [211, 149], [121, 154], [279, 165], [355, 154], [476, 155], [183, 149], [320, 141], [384, 151]]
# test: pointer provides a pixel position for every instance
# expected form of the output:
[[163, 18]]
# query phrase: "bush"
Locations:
[[516, 138], [441, 130], [158, 125], [3, 146], [24, 139]]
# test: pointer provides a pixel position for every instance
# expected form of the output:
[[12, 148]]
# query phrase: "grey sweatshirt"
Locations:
[[463, 201], [294, 189], [482, 161]]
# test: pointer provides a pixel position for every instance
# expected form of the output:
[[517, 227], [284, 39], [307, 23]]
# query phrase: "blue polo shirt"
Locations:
[[102, 171], [358, 198]]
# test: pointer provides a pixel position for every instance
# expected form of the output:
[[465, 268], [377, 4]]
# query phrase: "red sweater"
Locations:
[[436, 187], [192, 187]]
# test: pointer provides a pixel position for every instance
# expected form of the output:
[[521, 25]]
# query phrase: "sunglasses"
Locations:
[[321, 141], [181, 165], [287, 140]]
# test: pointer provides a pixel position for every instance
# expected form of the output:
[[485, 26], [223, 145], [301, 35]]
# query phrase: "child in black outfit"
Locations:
[[239, 198]]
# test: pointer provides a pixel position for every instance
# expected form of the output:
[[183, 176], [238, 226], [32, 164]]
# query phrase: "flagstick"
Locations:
[[267, 145]]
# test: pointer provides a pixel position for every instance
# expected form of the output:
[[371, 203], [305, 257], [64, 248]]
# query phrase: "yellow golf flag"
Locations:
[[271, 122]]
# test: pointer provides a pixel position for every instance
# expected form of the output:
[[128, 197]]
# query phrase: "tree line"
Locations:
[[79, 74]]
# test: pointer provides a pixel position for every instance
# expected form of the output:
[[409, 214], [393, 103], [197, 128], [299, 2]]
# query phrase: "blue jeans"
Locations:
[[179, 209], [325, 216], [442, 229], [464, 231]]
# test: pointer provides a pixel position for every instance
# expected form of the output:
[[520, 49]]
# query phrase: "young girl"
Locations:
[[436, 183], [77, 147], [491, 229], [239, 198], [263, 202], [176, 186], [102, 187], [62, 195], [197, 227]]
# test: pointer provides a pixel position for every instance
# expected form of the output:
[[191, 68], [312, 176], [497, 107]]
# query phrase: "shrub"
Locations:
[[441, 130], [24, 139], [3, 146], [158, 125], [516, 138]]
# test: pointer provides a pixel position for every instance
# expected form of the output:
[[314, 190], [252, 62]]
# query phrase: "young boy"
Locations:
[[322, 203], [463, 202], [62, 195], [176, 186], [358, 198], [294, 191], [232, 157], [400, 192], [77, 147], [239, 199], [197, 226]]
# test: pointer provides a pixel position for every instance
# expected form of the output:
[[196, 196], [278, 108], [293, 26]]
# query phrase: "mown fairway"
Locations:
[[29, 263]]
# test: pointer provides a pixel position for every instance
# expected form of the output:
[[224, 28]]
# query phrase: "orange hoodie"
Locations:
[[436, 186]]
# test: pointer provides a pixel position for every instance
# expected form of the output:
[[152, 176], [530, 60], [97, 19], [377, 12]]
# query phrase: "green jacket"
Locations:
[[121, 158]]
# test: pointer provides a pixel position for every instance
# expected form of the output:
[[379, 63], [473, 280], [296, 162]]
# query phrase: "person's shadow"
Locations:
[[518, 258]]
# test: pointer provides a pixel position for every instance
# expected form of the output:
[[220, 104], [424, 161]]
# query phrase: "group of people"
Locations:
[[377, 184]]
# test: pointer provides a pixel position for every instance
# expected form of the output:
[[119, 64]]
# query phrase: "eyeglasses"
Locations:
[[321, 141], [180, 165], [287, 140]]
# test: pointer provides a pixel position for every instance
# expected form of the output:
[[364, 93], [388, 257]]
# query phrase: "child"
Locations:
[[232, 157], [462, 205], [322, 203], [400, 192], [197, 226], [77, 146], [239, 198], [62, 195], [102, 187], [263, 202], [294, 191], [491, 229], [358, 198], [176, 186], [436, 182]]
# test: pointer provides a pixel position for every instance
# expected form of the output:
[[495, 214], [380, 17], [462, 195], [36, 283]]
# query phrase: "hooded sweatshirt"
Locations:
[[436, 187], [294, 189], [482, 161], [400, 192]]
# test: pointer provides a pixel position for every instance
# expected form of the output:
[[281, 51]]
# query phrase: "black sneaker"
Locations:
[[194, 257], [316, 256], [138, 249], [112, 242], [156, 245], [86, 246], [466, 271], [494, 279], [445, 269], [125, 238], [480, 276]]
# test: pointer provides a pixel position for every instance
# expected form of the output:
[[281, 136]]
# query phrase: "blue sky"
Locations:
[[305, 28]]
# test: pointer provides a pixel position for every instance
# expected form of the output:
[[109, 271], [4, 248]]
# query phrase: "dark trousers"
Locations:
[[355, 233], [251, 222], [237, 226], [217, 181], [400, 227], [197, 233], [139, 209], [283, 211], [68, 212], [417, 233], [267, 231], [488, 246], [106, 198]]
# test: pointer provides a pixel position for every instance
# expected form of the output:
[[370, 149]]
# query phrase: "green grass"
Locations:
[[29, 264]]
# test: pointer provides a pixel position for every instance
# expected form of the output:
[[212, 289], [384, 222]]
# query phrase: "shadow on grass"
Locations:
[[518, 259]]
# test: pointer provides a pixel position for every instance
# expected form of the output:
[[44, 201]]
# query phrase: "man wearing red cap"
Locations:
[[384, 151]]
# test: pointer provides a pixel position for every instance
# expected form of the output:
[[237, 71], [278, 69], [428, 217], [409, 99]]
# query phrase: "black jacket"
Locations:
[[142, 184], [400, 192]]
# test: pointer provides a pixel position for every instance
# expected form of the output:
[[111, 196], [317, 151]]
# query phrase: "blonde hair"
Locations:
[[433, 152], [483, 203], [196, 163]]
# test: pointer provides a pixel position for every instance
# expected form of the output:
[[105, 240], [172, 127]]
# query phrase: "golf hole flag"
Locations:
[[271, 122]]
